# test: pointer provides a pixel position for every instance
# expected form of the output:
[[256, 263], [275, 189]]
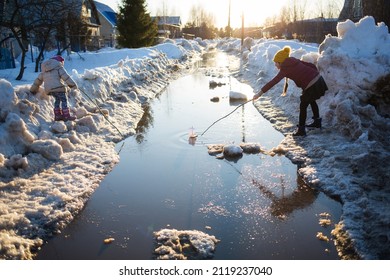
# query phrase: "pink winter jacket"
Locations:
[[54, 77], [301, 72]]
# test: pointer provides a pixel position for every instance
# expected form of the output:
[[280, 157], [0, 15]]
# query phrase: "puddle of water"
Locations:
[[257, 206]]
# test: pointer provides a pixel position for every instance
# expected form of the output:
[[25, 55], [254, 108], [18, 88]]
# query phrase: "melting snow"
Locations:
[[49, 170]]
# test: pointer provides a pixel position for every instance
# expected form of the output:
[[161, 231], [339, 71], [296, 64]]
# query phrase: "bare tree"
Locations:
[[48, 15], [201, 23], [165, 10], [327, 8], [13, 19], [199, 16], [37, 19], [285, 15]]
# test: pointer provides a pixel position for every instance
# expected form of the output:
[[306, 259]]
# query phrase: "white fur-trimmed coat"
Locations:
[[54, 77]]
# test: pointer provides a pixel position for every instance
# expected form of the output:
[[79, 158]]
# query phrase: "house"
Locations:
[[169, 26], [313, 30], [278, 30], [308, 30], [108, 20], [87, 38]]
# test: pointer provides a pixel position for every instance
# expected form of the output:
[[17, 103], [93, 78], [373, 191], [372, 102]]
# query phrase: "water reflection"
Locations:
[[281, 205], [144, 124], [167, 180]]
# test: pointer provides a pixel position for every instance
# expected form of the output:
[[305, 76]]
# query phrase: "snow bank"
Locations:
[[349, 157], [175, 244], [49, 169]]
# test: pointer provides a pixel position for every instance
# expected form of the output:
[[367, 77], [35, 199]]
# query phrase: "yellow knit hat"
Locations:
[[281, 55]]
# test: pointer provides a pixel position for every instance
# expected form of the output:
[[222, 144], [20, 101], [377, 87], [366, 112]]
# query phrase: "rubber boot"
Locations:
[[300, 131], [58, 114], [67, 116], [315, 124]]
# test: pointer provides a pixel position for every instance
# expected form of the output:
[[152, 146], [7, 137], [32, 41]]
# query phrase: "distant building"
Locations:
[[308, 30], [108, 21], [278, 30], [253, 32], [169, 26], [86, 9], [313, 30]]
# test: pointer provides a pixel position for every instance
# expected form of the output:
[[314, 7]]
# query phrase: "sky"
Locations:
[[255, 11]]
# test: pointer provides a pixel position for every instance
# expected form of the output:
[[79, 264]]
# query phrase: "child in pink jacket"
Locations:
[[55, 80], [306, 76]]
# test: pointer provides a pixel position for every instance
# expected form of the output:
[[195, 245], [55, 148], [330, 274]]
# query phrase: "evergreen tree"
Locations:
[[135, 26]]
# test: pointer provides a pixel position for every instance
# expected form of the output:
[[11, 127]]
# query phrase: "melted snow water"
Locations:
[[257, 205]]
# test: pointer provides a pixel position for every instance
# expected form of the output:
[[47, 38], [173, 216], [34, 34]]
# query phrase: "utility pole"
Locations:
[[242, 29], [229, 29]]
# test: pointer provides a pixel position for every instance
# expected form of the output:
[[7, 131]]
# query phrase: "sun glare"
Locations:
[[254, 11]]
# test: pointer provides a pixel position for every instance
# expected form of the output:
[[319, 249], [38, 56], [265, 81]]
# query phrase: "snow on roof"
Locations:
[[171, 20]]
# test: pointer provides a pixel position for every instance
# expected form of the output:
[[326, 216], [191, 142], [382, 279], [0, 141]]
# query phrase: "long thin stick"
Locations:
[[285, 87], [100, 110], [226, 115]]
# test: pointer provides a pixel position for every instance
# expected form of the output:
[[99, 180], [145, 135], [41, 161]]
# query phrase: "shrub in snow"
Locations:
[[49, 149]]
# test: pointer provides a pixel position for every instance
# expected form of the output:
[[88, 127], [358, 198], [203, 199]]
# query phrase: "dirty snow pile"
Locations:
[[49, 169], [349, 157], [175, 244]]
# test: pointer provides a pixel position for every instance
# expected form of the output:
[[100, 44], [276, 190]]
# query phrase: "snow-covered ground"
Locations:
[[49, 169]]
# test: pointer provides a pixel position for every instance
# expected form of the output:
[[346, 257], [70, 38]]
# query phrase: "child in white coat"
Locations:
[[55, 80]]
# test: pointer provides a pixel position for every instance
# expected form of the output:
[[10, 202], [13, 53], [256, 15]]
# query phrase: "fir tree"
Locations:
[[135, 26]]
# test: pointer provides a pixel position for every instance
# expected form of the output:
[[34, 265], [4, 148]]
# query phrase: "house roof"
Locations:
[[175, 20], [106, 12]]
